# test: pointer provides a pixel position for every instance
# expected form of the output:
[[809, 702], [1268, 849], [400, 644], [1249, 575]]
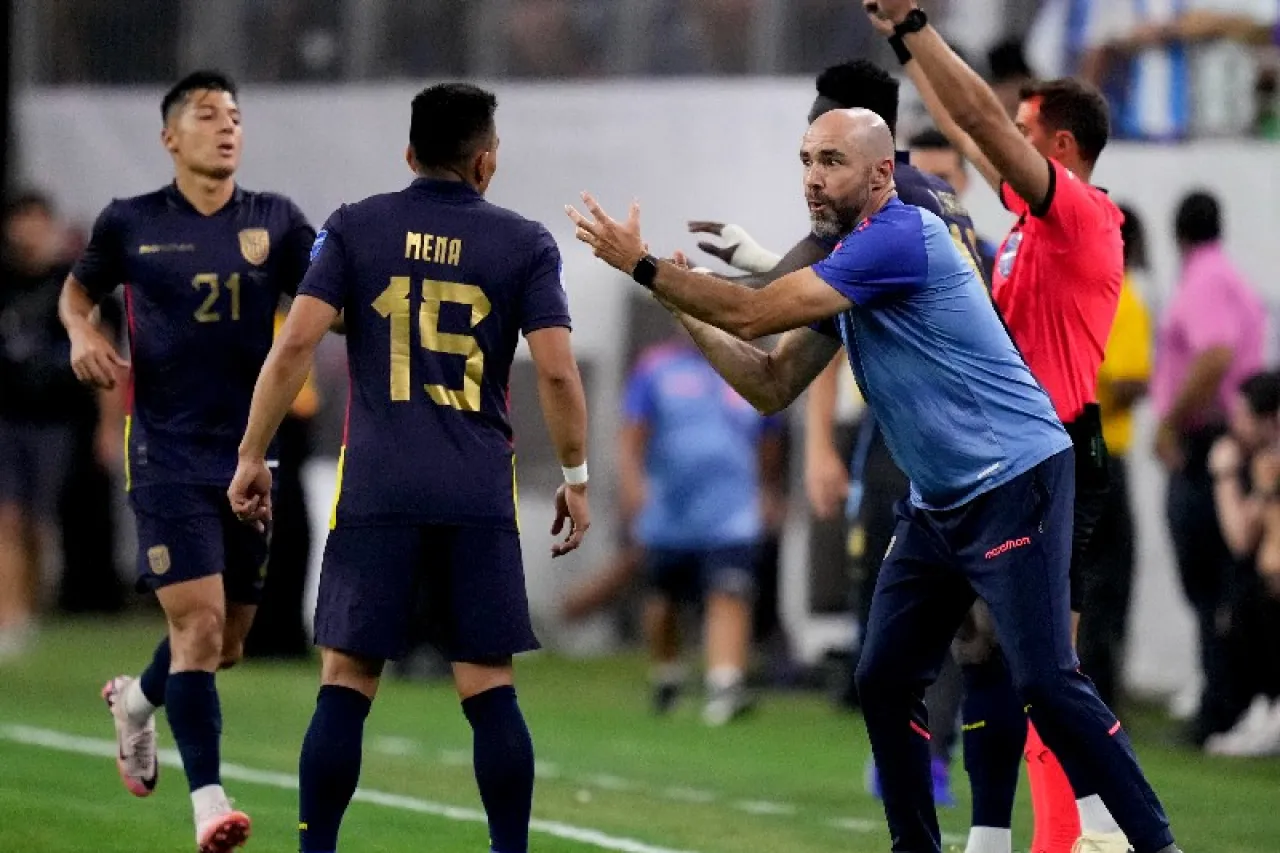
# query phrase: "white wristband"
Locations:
[[575, 476], [749, 255]]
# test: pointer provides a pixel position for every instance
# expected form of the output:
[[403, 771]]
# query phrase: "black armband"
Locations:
[[900, 49]]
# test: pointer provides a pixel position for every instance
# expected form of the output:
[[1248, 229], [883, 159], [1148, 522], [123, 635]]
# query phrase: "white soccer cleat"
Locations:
[[135, 744], [1102, 842], [727, 704], [221, 829], [1243, 738]]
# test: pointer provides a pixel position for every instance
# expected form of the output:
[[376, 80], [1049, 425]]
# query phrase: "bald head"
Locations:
[[848, 157], [861, 130]]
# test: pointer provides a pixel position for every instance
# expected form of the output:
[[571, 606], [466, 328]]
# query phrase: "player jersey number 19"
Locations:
[[393, 304]]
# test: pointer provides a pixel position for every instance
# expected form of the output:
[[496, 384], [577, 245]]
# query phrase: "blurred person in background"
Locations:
[[697, 465], [553, 38], [1211, 337], [1172, 70], [1245, 467], [90, 580], [1122, 382], [39, 403], [1009, 73]]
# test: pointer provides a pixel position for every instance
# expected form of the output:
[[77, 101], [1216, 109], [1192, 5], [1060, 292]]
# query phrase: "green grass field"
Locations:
[[611, 777]]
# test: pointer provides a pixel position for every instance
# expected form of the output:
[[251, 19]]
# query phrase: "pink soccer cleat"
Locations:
[[135, 743]]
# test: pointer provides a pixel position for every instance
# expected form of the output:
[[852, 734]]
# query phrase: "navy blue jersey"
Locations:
[[920, 189], [436, 285], [201, 294]]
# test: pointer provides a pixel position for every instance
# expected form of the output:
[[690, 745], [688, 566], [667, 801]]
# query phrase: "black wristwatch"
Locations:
[[915, 21], [646, 271]]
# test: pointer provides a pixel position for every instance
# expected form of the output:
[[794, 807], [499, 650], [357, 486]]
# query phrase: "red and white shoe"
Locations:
[[222, 833], [135, 743]]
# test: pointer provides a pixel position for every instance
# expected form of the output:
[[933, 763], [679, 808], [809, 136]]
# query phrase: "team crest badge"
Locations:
[[158, 559], [255, 245]]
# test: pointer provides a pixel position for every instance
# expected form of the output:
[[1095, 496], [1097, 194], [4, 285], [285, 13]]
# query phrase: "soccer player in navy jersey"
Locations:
[[990, 512], [204, 264], [436, 285]]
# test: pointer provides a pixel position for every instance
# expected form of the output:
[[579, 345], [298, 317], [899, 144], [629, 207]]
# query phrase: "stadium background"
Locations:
[[693, 106]]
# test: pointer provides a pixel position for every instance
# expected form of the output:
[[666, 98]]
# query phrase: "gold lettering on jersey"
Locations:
[[157, 248], [951, 205], [435, 248], [255, 245], [158, 559]]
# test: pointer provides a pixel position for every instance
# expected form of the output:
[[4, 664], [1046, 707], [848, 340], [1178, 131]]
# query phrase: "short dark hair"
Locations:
[[862, 85], [449, 122], [1008, 61], [196, 81], [26, 201], [931, 139], [1199, 219], [1134, 235], [1261, 392], [1076, 107]]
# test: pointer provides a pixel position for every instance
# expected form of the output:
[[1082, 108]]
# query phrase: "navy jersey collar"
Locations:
[[447, 189], [902, 157], [175, 197]]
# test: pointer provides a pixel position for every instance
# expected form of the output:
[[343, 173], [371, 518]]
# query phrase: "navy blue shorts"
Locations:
[[470, 579], [189, 532], [1011, 546], [686, 575]]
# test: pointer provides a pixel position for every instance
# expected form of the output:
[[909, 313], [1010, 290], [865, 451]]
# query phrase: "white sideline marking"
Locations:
[[764, 807], [64, 742], [690, 795]]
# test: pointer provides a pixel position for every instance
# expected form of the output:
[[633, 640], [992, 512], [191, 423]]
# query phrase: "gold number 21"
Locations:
[[393, 304], [206, 313]]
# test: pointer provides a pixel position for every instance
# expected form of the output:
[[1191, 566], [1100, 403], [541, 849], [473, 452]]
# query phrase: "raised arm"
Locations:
[[974, 109]]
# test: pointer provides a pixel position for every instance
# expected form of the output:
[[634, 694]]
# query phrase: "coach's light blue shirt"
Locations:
[[960, 410]]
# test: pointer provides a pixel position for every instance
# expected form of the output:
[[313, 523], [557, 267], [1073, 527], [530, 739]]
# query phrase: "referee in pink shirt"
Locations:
[[1210, 339]]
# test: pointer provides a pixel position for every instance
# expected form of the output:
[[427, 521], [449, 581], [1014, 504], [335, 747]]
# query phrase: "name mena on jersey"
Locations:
[[1007, 546]]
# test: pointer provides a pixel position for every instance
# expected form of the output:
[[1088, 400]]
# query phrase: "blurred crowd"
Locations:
[[1171, 70]]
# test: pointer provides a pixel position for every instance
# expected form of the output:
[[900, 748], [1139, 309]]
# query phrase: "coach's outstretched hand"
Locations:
[[617, 244], [571, 506], [250, 492]]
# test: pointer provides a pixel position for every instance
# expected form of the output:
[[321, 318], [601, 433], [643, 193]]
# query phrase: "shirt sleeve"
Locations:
[[1128, 354], [883, 260], [101, 267], [545, 302], [326, 276], [637, 400], [295, 250]]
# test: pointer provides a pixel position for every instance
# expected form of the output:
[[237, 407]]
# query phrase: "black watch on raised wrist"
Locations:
[[915, 21], [646, 271]]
